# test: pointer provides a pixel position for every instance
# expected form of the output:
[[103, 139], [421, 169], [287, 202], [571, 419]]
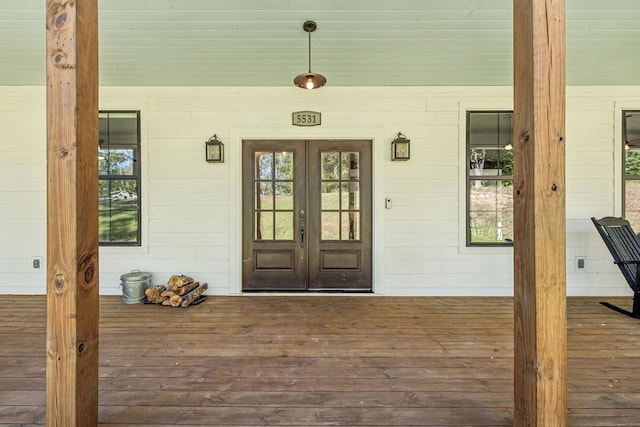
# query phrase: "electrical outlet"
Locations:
[[581, 262], [36, 262]]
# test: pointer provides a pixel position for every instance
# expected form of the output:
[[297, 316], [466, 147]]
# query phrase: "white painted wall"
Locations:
[[191, 209]]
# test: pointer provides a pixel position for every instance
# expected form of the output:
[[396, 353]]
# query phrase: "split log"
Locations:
[[166, 301], [167, 293], [179, 281], [153, 293], [176, 298], [175, 301], [193, 295], [160, 299], [157, 300], [187, 288]]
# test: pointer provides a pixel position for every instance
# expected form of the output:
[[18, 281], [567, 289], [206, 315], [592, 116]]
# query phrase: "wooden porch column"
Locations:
[[72, 213], [540, 385]]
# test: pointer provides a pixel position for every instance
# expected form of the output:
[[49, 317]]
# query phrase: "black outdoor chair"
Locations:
[[624, 246]]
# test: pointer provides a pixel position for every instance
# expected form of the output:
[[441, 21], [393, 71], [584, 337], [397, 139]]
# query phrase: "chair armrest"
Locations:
[[627, 262]]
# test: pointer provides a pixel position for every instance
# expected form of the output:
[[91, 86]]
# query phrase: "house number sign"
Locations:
[[306, 118]]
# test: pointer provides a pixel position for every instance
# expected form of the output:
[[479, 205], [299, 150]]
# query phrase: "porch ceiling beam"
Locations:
[[540, 385], [72, 213]]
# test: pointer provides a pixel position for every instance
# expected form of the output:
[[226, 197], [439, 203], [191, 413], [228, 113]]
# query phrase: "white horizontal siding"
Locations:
[[191, 207], [22, 189]]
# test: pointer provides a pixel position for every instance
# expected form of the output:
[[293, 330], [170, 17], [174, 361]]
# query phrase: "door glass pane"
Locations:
[[491, 210], [264, 196], [330, 195], [264, 225], [284, 165], [350, 166], [350, 195], [330, 226], [329, 165], [284, 226], [350, 226], [264, 165], [284, 195]]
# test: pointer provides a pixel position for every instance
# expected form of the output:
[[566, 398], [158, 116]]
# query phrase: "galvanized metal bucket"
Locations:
[[133, 286]]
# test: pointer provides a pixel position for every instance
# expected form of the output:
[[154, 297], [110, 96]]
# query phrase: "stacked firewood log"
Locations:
[[180, 291]]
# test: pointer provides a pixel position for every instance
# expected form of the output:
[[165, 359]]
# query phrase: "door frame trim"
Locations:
[[377, 136]]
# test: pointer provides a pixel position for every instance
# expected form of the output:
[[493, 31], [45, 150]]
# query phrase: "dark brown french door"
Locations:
[[306, 215]]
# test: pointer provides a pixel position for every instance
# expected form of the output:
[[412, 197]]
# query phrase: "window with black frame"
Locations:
[[489, 178], [119, 180], [631, 159]]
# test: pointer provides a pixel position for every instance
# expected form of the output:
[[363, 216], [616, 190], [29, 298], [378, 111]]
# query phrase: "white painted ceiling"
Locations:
[[357, 43]]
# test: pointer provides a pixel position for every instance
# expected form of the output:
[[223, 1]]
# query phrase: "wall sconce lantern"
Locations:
[[400, 148], [214, 150]]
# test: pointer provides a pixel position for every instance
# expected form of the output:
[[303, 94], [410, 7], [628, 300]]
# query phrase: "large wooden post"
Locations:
[[540, 386], [72, 212]]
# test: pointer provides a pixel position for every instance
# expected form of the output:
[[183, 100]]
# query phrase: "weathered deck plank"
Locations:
[[320, 360]]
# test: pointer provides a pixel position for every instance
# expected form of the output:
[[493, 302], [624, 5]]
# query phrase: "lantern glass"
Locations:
[[400, 149], [214, 151]]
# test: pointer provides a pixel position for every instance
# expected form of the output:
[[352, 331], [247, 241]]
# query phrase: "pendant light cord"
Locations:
[[309, 52]]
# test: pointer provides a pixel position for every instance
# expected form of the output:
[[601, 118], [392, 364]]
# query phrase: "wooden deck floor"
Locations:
[[321, 360]]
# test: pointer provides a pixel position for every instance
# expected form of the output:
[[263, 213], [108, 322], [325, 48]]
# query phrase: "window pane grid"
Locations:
[[340, 196], [274, 200], [489, 178], [631, 168], [119, 178]]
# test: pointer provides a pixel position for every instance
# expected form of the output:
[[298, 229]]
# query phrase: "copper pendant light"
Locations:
[[310, 80]]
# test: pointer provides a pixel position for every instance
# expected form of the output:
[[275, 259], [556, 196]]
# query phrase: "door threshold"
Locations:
[[310, 292]]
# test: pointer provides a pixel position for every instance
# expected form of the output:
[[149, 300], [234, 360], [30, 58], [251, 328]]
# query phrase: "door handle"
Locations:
[[301, 216]]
